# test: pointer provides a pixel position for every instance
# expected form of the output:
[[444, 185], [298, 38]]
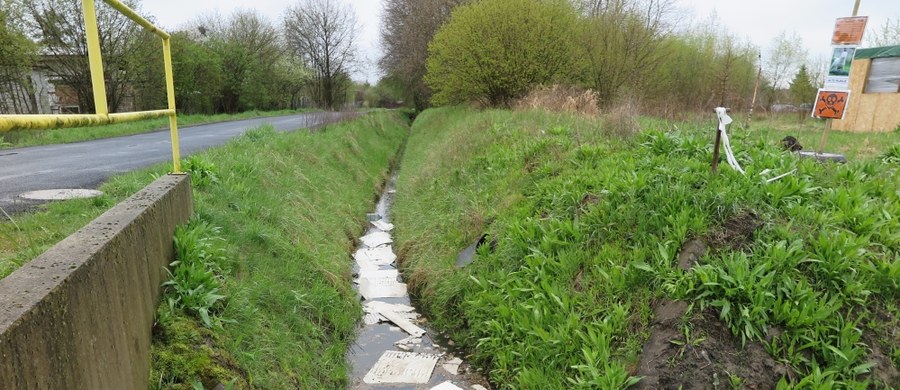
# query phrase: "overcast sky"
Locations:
[[759, 21]]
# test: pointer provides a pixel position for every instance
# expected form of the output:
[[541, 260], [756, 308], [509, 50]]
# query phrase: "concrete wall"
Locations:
[[868, 111], [80, 315]]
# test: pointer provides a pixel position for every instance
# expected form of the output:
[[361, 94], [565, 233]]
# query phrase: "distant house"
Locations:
[[45, 94], [48, 94], [874, 91]]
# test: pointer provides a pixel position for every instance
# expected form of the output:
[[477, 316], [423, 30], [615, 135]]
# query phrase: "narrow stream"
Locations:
[[394, 348]]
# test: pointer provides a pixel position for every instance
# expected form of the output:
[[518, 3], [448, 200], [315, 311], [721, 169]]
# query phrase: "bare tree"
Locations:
[[59, 26], [323, 33], [781, 61], [406, 29], [623, 40], [887, 34]]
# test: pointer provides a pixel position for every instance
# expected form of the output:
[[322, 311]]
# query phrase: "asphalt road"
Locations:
[[88, 164]]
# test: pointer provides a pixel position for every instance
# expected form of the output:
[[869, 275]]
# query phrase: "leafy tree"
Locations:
[[17, 54], [59, 25], [199, 76], [802, 89], [323, 33], [494, 51]]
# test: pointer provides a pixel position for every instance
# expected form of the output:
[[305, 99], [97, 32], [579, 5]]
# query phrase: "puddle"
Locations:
[[394, 348]]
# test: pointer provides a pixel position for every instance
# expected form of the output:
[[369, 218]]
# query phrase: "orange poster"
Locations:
[[831, 104], [849, 31]]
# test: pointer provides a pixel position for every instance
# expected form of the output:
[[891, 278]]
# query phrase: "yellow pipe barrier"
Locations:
[[94, 57], [33, 122], [98, 83], [170, 92], [130, 14]]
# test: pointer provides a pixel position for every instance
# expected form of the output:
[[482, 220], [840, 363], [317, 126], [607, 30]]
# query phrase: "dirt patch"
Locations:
[[705, 357], [736, 233], [690, 252], [881, 340]]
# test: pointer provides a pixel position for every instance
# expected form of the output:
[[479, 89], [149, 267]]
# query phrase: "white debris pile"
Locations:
[[447, 386], [402, 367], [377, 279], [376, 239]]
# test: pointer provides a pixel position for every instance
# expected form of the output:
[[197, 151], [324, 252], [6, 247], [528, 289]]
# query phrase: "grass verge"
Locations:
[[22, 138], [260, 295], [584, 236]]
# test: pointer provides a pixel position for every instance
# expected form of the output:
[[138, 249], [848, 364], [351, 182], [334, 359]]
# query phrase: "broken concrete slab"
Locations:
[[382, 255], [409, 341], [447, 386], [403, 323], [452, 365], [372, 318], [378, 306], [402, 367], [381, 284], [383, 226], [376, 239]]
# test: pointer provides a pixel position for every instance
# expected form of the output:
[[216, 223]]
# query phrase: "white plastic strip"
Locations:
[[724, 121]]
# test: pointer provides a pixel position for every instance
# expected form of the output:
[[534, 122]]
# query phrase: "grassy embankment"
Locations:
[[586, 228], [21, 138], [261, 291]]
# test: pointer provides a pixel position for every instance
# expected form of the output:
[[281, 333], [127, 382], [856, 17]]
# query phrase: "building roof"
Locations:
[[878, 52]]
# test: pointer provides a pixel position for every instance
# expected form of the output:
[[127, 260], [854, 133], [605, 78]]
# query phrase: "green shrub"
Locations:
[[494, 51]]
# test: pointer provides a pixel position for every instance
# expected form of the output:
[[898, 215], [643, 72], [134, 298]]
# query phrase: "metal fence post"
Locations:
[[95, 58]]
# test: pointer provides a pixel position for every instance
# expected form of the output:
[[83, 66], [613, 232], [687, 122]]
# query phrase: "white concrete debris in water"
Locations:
[[447, 386], [383, 226], [381, 284], [383, 255], [452, 365], [403, 323], [61, 194], [402, 367], [415, 355], [478, 387], [376, 239]]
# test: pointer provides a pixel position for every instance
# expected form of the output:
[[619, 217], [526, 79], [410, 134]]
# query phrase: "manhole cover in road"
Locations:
[[61, 194]]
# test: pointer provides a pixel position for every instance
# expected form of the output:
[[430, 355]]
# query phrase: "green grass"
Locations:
[[587, 226], [21, 138], [854, 145], [261, 293]]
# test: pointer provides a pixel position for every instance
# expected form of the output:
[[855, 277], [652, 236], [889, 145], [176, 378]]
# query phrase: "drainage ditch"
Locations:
[[395, 349]]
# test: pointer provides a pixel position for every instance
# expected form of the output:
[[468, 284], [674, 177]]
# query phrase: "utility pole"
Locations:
[[828, 121]]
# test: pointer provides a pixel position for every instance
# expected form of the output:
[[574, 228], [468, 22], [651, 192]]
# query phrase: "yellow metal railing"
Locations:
[[102, 115]]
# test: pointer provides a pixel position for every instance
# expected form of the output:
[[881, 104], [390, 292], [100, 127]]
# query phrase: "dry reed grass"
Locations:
[[560, 98]]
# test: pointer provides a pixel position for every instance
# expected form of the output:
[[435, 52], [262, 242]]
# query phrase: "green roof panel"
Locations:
[[878, 52]]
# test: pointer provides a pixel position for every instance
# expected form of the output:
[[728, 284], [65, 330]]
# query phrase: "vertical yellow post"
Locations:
[[94, 57], [173, 117]]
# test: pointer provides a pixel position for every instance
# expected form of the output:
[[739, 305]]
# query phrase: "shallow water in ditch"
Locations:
[[387, 353]]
